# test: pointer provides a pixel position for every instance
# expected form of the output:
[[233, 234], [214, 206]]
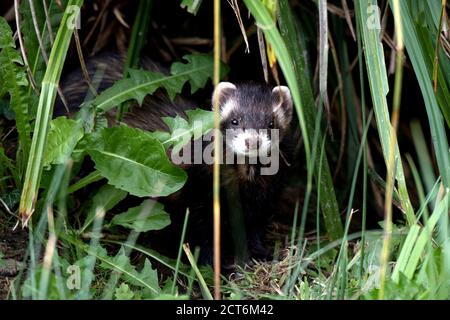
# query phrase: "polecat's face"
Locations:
[[250, 113]]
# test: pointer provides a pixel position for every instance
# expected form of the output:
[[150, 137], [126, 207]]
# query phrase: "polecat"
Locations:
[[258, 145], [257, 149]]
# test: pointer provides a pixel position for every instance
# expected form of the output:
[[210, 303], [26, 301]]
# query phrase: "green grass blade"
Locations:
[[287, 46], [415, 243], [379, 87], [405, 253], [180, 251], [263, 18], [45, 110], [205, 291], [417, 181], [425, 237], [423, 155], [418, 58]]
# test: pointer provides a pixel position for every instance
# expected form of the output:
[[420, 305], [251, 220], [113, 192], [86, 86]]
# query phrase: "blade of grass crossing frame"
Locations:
[[392, 142], [286, 46], [328, 203], [216, 168], [265, 22], [365, 155], [203, 286], [340, 272], [180, 251], [367, 13], [413, 254], [417, 182], [423, 155], [435, 118], [45, 109]]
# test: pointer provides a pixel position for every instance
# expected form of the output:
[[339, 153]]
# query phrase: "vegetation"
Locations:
[[368, 217]]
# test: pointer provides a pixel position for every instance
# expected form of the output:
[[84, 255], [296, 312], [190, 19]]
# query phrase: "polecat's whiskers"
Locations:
[[284, 158]]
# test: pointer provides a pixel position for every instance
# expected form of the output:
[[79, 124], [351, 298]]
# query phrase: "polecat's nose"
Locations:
[[253, 143]]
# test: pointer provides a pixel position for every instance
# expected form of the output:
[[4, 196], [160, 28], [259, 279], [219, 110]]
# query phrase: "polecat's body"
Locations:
[[255, 126], [255, 121]]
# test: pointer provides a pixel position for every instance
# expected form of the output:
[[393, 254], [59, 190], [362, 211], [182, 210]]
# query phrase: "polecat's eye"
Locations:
[[234, 122], [271, 125]]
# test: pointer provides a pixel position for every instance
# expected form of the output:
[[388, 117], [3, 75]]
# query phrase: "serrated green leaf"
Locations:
[[13, 80], [11, 60], [134, 161], [196, 71], [46, 284], [7, 163], [163, 260], [124, 292], [201, 117], [150, 215], [107, 198], [147, 278], [63, 136], [6, 39], [181, 131], [149, 275], [141, 83]]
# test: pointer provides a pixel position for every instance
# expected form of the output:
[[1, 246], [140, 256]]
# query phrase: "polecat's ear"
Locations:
[[282, 107], [222, 92]]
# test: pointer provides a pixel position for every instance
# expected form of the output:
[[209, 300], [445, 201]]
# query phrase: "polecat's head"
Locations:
[[249, 112]]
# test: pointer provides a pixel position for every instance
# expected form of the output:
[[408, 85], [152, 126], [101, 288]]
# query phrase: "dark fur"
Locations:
[[247, 204]]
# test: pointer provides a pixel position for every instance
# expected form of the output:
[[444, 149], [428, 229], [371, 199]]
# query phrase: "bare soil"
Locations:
[[13, 244]]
